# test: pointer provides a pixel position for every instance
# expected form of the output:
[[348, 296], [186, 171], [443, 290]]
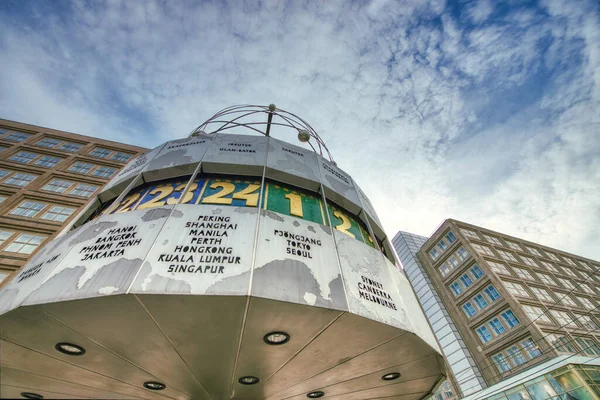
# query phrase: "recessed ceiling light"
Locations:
[[70, 349], [391, 376], [29, 395], [154, 385], [276, 338], [248, 380], [316, 394]]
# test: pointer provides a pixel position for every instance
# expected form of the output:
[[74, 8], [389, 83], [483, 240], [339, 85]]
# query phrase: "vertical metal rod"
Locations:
[[269, 123]]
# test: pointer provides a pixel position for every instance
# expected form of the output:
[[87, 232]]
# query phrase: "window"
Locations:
[[531, 348], [536, 314], [28, 209], [124, 157], [553, 257], [529, 261], [70, 147], [547, 279], [433, 253], [469, 309], [452, 261], [17, 136], [466, 280], [534, 251], [484, 334], [449, 236], [510, 318], [492, 240], [57, 186], [588, 346], [444, 269], [566, 283], [462, 253], [586, 288], [104, 172], [561, 343], [569, 261], [497, 326], [515, 355], [84, 190], [81, 167], [524, 274], [20, 179], [4, 235], [3, 173], [549, 266], [569, 272], [586, 321], [3, 274], [24, 157], [480, 301], [456, 288], [476, 271], [492, 293], [586, 303], [507, 256], [484, 250], [58, 213], [442, 245], [48, 161], [513, 245], [501, 363], [516, 289], [563, 318], [25, 243], [99, 152], [542, 294], [469, 234], [498, 268], [567, 301], [48, 142]]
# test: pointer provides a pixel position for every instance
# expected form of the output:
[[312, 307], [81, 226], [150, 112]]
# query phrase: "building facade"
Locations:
[[516, 304], [46, 177], [459, 360]]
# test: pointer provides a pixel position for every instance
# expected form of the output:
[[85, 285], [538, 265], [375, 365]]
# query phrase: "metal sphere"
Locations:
[[272, 107], [303, 136]]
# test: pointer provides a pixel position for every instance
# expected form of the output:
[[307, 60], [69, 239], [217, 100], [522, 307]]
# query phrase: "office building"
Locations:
[[46, 177], [527, 314], [230, 264]]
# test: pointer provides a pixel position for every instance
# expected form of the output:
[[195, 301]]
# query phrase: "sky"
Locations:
[[483, 111]]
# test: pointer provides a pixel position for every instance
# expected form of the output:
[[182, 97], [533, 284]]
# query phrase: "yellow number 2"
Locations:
[[345, 225]]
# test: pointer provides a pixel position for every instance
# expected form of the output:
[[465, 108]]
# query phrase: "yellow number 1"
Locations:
[[295, 204]]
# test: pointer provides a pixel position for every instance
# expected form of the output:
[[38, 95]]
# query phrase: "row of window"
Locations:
[[453, 261], [565, 345], [31, 209], [521, 248], [544, 277], [538, 314], [442, 245], [23, 243], [52, 143], [466, 280], [519, 290], [515, 355], [84, 168], [480, 301], [27, 157], [22, 179], [497, 326]]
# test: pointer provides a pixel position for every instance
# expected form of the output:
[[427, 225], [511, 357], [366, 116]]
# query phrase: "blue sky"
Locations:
[[483, 111]]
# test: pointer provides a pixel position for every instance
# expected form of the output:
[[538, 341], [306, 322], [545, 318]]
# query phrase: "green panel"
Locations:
[[349, 224], [295, 202]]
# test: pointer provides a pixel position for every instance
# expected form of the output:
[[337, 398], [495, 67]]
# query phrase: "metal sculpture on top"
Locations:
[[240, 115]]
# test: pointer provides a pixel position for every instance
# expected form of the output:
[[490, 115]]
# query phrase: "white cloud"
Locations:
[[482, 114]]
